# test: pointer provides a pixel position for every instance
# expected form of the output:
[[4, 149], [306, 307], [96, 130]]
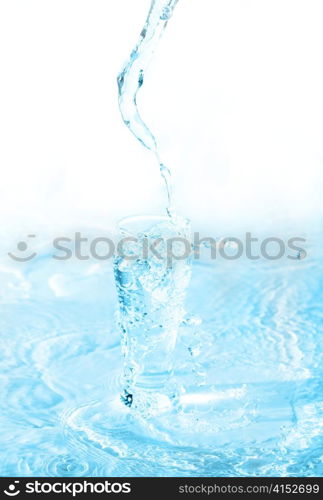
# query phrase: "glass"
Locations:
[[152, 272]]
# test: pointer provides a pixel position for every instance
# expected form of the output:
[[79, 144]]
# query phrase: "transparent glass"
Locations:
[[151, 285]]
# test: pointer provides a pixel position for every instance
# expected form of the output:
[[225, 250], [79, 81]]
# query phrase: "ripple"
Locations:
[[60, 466], [249, 349], [67, 466]]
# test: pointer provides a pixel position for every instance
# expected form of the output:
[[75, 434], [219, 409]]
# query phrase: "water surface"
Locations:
[[253, 392]]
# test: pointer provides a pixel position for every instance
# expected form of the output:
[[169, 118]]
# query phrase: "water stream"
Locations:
[[132, 78]]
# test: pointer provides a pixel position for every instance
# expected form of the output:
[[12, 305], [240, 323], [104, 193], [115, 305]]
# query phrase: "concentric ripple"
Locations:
[[248, 370]]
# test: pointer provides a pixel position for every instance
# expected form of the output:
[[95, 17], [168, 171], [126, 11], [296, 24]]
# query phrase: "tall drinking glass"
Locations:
[[152, 273]]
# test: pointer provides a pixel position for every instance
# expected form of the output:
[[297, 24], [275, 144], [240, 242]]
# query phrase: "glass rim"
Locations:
[[124, 222]]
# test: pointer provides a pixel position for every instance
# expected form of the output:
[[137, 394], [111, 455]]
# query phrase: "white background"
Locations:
[[234, 96]]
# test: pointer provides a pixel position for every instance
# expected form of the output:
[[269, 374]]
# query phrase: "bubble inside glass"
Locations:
[[152, 272]]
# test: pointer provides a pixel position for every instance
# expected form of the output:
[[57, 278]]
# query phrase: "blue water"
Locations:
[[248, 355]]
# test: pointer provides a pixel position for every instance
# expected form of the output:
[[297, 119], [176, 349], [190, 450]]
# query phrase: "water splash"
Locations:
[[131, 79]]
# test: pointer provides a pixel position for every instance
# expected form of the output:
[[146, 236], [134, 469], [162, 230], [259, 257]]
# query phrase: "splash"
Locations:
[[131, 79]]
